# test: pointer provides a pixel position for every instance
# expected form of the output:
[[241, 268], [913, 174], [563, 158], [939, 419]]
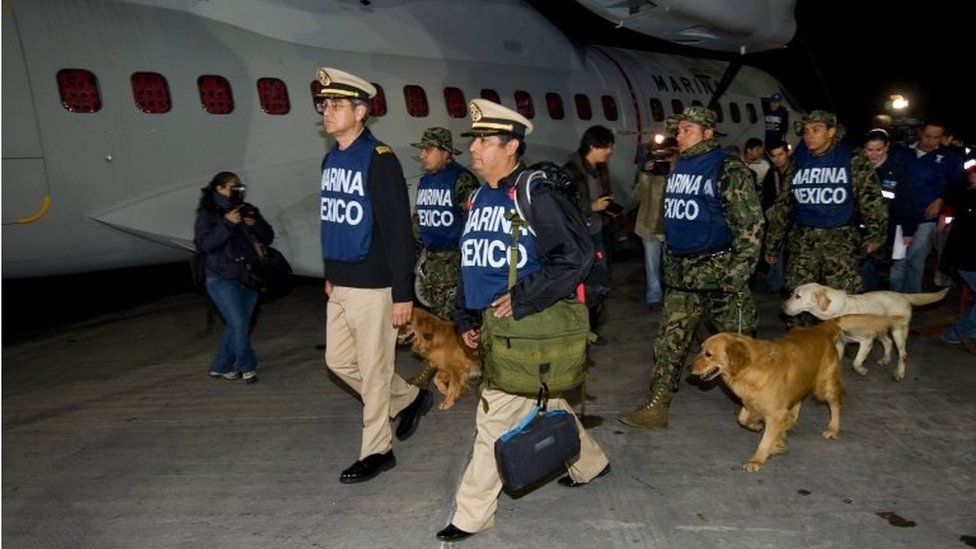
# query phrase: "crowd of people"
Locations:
[[714, 226]]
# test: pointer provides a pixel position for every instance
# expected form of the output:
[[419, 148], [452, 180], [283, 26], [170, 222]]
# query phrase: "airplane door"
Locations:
[[26, 194]]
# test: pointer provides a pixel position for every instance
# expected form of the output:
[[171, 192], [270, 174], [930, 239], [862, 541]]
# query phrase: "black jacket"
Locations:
[[565, 254], [901, 208], [222, 242]]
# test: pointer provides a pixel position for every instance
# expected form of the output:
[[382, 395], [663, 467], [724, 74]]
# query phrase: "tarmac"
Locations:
[[113, 436]]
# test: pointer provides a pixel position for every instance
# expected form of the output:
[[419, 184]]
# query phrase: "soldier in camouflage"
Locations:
[[441, 198], [713, 224], [833, 188]]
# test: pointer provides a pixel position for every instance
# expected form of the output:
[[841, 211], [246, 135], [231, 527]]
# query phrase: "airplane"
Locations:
[[117, 112]]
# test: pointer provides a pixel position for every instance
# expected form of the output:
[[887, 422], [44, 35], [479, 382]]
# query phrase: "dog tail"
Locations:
[[925, 299], [867, 325]]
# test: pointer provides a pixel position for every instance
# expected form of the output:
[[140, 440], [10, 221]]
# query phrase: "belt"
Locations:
[[698, 255]]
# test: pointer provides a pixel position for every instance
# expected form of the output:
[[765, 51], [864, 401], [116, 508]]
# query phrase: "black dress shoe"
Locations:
[[568, 481], [368, 467], [453, 533], [410, 416]]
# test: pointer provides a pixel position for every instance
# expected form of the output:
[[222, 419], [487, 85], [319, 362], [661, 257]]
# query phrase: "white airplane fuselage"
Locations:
[[119, 187]]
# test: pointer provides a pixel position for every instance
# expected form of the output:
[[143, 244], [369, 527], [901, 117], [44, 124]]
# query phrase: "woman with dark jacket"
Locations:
[[959, 254], [896, 188], [227, 231]]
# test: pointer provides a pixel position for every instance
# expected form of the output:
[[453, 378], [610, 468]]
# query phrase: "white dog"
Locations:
[[826, 303]]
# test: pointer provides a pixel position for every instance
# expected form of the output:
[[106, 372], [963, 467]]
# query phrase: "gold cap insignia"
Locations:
[[475, 112], [324, 77]]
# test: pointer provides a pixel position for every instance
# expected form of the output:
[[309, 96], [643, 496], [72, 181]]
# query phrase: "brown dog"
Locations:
[[772, 377], [436, 341]]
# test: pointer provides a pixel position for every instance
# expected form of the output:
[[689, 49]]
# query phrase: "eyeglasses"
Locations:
[[322, 104]]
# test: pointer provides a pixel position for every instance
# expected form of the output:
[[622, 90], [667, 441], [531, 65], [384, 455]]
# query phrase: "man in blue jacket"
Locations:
[[932, 167]]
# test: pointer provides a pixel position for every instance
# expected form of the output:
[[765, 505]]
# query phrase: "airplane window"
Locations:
[[215, 94], [457, 107], [657, 109], [377, 104], [416, 99], [751, 110], [523, 104], [491, 95], [677, 107], [273, 94], [734, 112], [554, 103], [609, 107], [696, 103], [79, 91], [315, 87], [150, 92], [583, 109], [719, 114]]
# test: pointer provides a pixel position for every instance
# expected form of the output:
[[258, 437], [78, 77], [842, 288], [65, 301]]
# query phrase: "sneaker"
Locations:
[[226, 375], [950, 337], [250, 377]]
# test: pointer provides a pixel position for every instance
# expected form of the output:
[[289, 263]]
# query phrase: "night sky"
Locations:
[[923, 50]]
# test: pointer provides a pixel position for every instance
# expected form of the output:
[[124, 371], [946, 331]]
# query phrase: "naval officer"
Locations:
[[367, 251], [555, 262]]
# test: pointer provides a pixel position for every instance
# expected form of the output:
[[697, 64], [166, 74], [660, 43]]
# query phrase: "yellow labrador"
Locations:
[[826, 303]]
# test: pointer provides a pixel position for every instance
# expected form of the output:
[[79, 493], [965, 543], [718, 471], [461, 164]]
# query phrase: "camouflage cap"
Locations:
[[437, 137], [699, 115], [828, 118]]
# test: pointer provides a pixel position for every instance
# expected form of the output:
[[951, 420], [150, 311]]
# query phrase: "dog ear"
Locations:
[[820, 296], [738, 355]]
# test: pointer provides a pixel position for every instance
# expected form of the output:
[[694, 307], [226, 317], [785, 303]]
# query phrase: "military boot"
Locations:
[[423, 378], [653, 414]]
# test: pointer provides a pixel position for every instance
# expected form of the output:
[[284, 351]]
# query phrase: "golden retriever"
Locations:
[[436, 341], [773, 377], [825, 303]]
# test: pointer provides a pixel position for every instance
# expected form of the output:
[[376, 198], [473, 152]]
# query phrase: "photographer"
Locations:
[[226, 231], [588, 168], [649, 193]]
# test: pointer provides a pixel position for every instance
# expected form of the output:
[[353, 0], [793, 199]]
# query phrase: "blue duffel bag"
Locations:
[[540, 445]]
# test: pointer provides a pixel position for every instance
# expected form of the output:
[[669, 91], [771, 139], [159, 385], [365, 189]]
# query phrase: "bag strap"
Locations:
[[520, 218]]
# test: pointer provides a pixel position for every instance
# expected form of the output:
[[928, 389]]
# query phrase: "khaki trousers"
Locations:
[[360, 348], [477, 496]]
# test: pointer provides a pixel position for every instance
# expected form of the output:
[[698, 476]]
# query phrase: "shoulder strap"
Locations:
[[523, 195]]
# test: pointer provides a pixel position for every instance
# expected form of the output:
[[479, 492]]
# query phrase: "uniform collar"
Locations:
[[700, 148], [510, 179]]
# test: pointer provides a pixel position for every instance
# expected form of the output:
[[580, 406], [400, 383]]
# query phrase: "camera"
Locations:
[[661, 167], [237, 193]]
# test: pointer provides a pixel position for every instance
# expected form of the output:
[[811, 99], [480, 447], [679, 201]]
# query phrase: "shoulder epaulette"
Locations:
[[382, 149]]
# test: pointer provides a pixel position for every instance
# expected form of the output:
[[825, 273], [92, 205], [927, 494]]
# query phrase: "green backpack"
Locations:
[[548, 347]]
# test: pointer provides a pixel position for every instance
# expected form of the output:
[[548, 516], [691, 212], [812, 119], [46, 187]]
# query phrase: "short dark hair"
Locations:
[[504, 138], [753, 142], [778, 145], [597, 137], [932, 122]]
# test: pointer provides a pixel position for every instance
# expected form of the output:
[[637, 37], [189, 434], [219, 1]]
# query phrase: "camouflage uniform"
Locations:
[[437, 271], [712, 285], [830, 256]]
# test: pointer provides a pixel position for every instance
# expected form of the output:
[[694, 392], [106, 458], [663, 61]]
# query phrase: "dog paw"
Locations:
[[752, 466], [829, 434], [882, 362], [899, 375], [860, 370], [778, 449], [757, 426], [445, 405]]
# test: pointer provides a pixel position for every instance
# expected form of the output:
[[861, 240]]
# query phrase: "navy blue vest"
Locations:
[[822, 192], [485, 244], [694, 221], [346, 210], [439, 220]]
